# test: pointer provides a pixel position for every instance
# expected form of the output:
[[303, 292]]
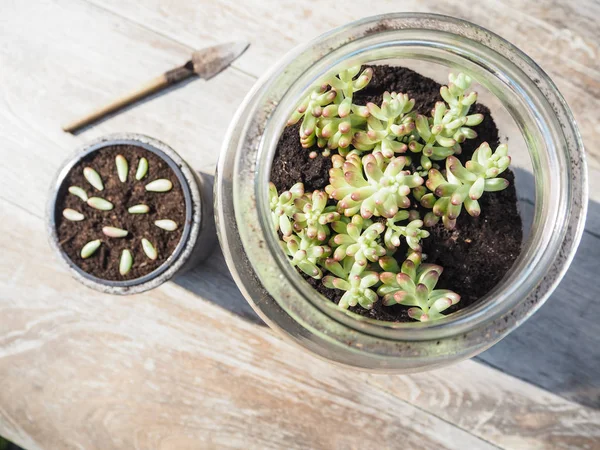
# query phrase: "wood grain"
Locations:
[[543, 31], [38, 92], [564, 37], [174, 368], [170, 370], [574, 378]]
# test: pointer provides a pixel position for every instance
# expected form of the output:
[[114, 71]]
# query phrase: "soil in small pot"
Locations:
[[73, 235], [476, 255]]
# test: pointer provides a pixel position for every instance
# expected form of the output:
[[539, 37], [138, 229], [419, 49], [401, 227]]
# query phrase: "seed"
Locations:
[[100, 203], [89, 248], [149, 249], [142, 169], [161, 185], [114, 232], [166, 224], [126, 262], [72, 215], [138, 209], [78, 192], [122, 168], [93, 178]]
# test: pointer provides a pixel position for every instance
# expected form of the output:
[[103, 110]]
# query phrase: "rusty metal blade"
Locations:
[[209, 61]]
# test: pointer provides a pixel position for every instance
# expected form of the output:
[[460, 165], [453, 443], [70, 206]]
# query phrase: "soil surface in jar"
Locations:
[[476, 254], [73, 235]]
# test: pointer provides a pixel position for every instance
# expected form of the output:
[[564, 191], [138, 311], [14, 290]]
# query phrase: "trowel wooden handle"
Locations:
[[151, 87]]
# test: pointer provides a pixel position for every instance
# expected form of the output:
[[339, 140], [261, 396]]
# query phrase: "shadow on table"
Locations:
[[557, 349], [213, 281]]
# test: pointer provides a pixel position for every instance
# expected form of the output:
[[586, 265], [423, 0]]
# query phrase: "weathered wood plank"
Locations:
[[540, 31], [557, 348], [170, 370], [46, 320], [561, 36], [498, 408]]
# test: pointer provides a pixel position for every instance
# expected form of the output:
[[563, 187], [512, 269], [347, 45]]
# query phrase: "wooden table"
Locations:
[[189, 365]]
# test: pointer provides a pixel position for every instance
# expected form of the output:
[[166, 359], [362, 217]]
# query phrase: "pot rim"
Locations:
[[190, 232]]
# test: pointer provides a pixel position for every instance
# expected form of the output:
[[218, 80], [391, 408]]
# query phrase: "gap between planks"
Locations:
[[487, 406]]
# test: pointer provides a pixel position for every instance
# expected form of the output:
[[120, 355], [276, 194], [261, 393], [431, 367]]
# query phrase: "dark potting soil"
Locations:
[[476, 254], [104, 263]]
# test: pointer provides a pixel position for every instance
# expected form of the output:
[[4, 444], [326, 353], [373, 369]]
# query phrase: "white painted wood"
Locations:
[[170, 369], [563, 37], [167, 369], [547, 31]]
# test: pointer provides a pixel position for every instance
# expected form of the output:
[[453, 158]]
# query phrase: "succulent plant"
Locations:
[[305, 252], [386, 125], [309, 111], [336, 132], [465, 184], [283, 207], [357, 287], [380, 194], [412, 231], [368, 179], [414, 286], [345, 85], [314, 215], [443, 132], [358, 239]]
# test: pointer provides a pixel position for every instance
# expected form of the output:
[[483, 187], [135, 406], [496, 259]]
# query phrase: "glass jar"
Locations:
[[544, 140]]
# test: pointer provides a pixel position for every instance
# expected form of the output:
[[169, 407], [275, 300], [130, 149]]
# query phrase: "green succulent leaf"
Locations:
[[414, 286], [464, 185], [371, 187], [305, 253], [313, 215], [359, 240], [357, 289]]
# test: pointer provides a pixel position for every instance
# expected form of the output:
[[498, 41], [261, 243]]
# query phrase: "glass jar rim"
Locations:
[[300, 69]]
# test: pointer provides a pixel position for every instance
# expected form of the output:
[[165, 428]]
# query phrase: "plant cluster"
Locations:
[[99, 203], [386, 159]]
